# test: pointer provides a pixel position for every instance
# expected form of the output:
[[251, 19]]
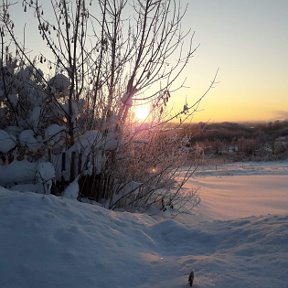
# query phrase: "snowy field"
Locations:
[[241, 190], [237, 237]]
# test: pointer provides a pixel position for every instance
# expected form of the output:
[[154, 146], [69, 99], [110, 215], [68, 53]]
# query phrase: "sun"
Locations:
[[142, 112]]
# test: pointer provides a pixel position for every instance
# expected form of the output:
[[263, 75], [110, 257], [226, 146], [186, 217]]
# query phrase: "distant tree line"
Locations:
[[239, 141]]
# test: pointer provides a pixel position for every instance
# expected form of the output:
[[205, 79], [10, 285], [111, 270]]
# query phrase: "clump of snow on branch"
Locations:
[[59, 84], [28, 176], [8, 142], [54, 134], [28, 139]]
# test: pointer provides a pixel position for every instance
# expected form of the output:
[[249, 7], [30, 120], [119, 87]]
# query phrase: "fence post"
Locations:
[[72, 166], [63, 168]]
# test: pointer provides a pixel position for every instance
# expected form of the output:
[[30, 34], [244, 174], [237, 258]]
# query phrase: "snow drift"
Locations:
[[50, 241]]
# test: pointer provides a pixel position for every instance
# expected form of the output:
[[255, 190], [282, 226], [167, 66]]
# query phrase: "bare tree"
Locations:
[[108, 56]]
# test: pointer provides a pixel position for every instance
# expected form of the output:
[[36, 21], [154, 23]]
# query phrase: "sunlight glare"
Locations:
[[141, 112]]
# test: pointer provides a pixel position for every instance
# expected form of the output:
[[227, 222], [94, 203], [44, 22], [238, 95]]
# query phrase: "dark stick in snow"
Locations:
[[191, 278]]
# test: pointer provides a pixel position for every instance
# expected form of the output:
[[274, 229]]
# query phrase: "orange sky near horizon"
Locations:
[[248, 41]]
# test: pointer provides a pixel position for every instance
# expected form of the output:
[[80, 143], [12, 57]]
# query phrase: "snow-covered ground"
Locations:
[[237, 237], [241, 190]]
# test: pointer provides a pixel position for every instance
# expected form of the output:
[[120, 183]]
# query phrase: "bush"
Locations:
[[80, 117]]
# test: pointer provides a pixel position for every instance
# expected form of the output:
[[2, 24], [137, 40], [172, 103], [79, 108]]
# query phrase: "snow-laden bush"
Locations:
[[28, 176], [8, 142], [79, 116]]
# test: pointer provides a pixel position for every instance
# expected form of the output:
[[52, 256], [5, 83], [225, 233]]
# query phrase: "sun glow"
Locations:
[[141, 112]]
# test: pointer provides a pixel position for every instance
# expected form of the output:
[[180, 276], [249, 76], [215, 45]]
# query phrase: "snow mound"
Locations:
[[49, 241], [28, 176], [72, 190]]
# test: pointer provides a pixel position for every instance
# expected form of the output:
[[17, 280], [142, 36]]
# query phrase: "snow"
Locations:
[[34, 117], [238, 190], [13, 98], [53, 133], [27, 138], [74, 112], [90, 146], [36, 188], [59, 82], [13, 131], [17, 171], [7, 142], [89, 139], [72, 190], [27, 176], [111, 141], [45, 175], [125, 189], [237, 237], [230, 197], [45, 171]]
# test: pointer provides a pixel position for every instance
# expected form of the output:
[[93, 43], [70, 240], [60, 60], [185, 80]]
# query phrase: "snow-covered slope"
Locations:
[[47, 242], [52, 242]]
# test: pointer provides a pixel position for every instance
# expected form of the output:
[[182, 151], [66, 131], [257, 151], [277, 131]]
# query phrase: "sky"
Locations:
[[247, 41]]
